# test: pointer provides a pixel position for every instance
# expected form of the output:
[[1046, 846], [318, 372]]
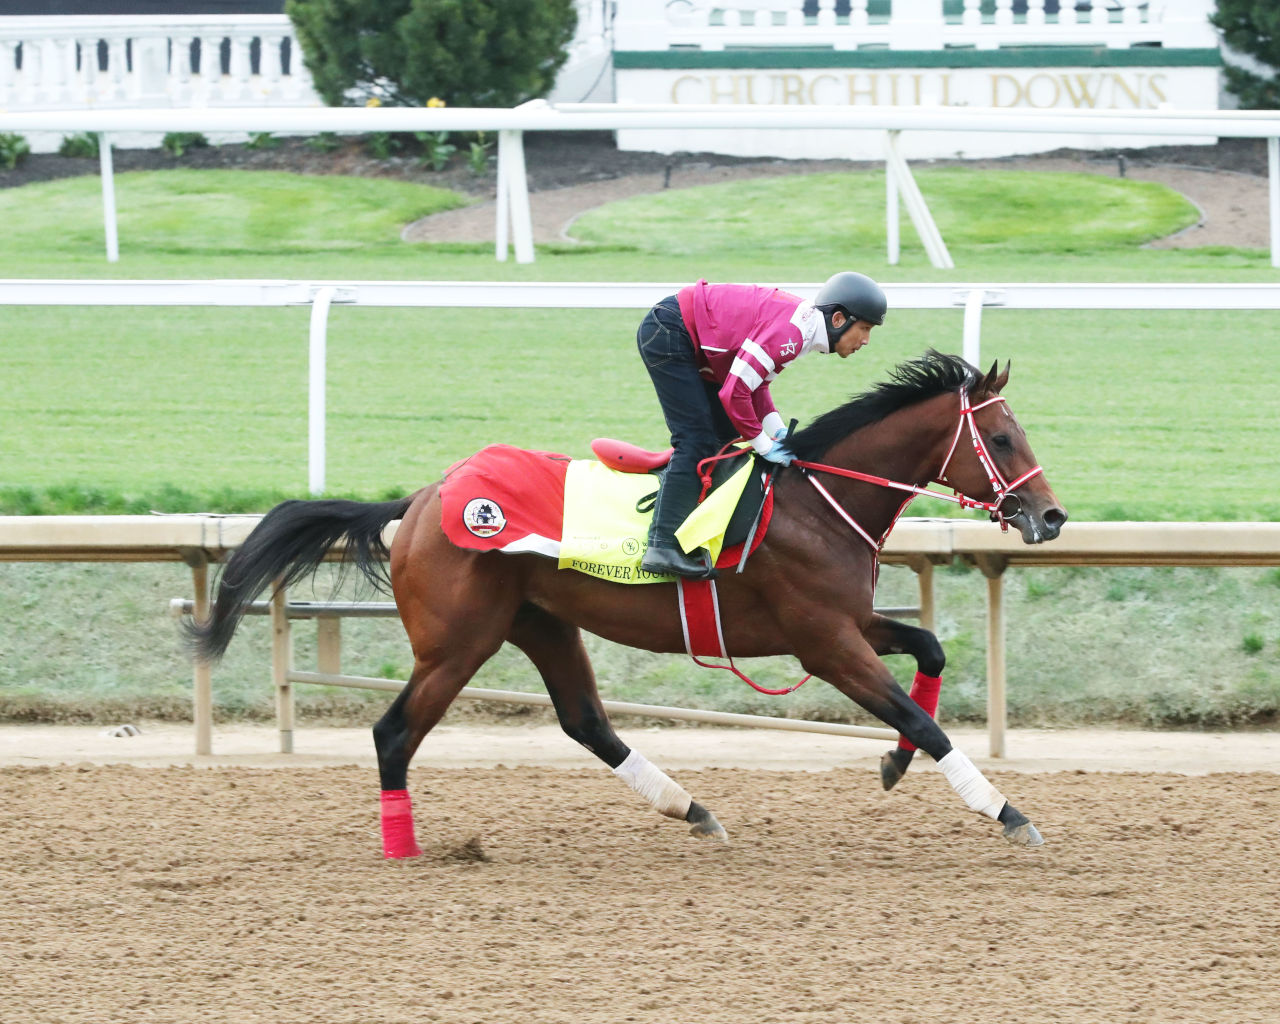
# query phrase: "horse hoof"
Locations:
[[1025, 834], [703, 824], [893, 765], [709, 830]]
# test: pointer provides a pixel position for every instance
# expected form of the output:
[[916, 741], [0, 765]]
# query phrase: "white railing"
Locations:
[[972, 299], [199, 540], [514, 221], [132, 60], [911, 24], [55, 63]]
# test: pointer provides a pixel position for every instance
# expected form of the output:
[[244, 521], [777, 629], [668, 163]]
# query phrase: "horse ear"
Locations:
[[998, 384], [988, 385]]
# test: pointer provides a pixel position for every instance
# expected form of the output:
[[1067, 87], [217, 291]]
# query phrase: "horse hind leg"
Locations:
[[451, 640], [555, 647]]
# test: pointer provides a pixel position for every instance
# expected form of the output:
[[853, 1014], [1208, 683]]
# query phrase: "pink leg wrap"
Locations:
[[924, 691], [397, 825]]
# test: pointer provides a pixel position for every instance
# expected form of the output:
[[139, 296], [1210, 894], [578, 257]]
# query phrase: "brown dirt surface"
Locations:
[[551, 894], [571, 172]]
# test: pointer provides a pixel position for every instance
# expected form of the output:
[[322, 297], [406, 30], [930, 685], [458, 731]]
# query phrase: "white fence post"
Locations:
[[108, 197], [892, 218], [917, 208], [513, 197], [1273, 190], [971, 345], [316, 389]]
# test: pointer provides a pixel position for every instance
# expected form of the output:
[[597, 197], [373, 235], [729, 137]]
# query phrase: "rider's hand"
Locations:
[[779, 453], [780, 434]]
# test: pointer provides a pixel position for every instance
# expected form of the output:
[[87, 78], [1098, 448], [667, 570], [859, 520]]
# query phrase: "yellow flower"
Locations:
[[373, 101], [435, 101]]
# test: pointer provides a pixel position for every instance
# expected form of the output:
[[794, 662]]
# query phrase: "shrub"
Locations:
[[262, 140], [12, 149], [177, 143], [483, 53], [325, 142], [82, 144], [478, 157], [1252, 27], [436, 149], [381, 145]]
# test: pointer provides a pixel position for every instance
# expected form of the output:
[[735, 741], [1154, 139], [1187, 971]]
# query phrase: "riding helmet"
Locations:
[[855, 295]]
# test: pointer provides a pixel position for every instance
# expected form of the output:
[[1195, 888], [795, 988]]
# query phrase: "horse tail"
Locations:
[[289, 543]]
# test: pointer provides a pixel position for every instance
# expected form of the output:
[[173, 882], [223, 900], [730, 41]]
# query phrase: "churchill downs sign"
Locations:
[[1126, 80]]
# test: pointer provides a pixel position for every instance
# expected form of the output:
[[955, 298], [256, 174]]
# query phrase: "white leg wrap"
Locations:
[[970, 783], [667, 796]]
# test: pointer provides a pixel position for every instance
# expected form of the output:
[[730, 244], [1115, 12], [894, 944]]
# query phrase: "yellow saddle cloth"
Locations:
[[605, 535]]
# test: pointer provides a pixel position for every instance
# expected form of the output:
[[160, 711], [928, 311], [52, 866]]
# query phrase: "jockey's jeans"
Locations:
[[691, 406]]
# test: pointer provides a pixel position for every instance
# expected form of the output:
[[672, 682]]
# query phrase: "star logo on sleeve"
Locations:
[[789, 349]]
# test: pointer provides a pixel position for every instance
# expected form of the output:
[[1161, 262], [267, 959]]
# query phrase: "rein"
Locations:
[[1000, 488]]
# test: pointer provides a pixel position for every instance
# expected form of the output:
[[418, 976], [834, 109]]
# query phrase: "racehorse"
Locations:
[[806, 591]]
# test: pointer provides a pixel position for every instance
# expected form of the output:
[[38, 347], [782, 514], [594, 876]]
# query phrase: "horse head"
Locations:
[[991, 462]]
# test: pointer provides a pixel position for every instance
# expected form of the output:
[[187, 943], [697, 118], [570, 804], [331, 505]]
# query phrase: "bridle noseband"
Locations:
[[1001, 489]]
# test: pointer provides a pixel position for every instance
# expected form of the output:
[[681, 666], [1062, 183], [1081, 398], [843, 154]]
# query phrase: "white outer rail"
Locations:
[[199, 540], [322, 295], [537, 115]]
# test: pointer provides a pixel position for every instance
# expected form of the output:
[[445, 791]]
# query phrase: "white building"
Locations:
[[1122, 55]]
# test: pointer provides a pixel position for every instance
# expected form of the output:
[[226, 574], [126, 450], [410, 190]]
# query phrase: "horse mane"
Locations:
[[914, 381]]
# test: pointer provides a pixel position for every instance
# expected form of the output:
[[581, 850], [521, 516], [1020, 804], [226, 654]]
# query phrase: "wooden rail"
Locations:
[[199, 540]]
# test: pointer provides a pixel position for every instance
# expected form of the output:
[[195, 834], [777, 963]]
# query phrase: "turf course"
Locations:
[[1145, 415], [197, 408]]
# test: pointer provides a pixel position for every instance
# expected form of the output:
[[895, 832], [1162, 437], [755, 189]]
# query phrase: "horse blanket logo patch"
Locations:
[[483, 517]]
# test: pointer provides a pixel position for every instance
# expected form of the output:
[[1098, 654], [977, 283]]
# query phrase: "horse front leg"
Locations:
[[556, 650], [889, 636], [854, 669]]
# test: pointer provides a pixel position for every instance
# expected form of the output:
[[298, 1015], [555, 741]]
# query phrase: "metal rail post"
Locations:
[[202, 672], [993, 567], [282, 669]]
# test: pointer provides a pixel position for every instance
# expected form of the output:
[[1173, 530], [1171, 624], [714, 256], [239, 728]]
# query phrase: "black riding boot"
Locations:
[[676, 499]]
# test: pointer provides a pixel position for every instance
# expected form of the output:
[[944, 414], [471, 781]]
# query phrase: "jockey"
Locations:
[[712, 351]]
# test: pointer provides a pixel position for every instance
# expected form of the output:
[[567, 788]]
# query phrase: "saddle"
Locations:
[[579, 512], [630, 458]]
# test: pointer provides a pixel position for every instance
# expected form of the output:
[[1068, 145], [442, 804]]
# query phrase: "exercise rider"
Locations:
[[712, 351]]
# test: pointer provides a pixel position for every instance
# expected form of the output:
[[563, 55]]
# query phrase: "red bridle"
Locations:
[[1000, 488]]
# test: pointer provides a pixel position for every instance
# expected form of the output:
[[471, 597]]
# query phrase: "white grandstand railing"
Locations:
[[513, 217], [972, 298], [911, 24], [56, 61]]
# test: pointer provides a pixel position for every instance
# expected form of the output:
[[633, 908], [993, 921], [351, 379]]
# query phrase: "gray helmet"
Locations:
[[855, 295]]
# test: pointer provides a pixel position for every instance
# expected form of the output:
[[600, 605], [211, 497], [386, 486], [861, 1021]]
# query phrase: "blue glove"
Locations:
[[780, 454]]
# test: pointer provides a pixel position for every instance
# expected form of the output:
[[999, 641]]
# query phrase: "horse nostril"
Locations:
[[1053, 519]]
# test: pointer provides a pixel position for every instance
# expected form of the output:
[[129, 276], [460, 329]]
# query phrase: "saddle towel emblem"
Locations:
[[483, 517]]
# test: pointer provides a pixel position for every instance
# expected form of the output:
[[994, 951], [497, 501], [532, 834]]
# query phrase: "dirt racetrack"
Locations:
[[182, 894]]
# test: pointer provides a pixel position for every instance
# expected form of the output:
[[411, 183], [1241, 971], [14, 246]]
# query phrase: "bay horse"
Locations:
[[806, 591]]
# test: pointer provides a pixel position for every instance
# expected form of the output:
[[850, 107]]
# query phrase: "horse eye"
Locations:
[[1001, 441]]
